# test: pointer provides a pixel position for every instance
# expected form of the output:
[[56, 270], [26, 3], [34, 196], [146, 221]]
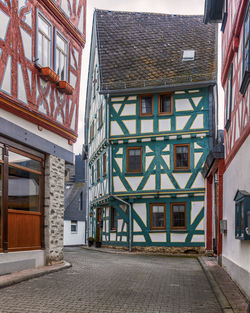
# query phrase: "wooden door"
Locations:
[[98, 220]]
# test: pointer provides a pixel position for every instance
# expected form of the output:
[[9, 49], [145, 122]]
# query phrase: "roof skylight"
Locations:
[[188, 55]]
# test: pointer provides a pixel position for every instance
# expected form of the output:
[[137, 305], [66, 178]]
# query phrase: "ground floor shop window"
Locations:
[[21, 203]]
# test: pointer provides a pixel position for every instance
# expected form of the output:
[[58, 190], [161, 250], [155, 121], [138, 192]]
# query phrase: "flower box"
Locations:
[[65, 87], [48, 74]]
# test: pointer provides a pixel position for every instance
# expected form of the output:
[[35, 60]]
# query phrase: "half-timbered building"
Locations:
[[40, 60], [149, 117], [235, 221]]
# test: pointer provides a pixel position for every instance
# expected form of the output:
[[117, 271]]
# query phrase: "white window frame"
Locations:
[[65, 53], [44, 37], [73, 223]]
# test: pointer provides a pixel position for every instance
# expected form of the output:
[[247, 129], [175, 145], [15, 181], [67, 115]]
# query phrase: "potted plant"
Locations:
[[90, 241]]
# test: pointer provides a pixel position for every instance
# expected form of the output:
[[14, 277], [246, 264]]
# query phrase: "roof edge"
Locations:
[[162, 88]]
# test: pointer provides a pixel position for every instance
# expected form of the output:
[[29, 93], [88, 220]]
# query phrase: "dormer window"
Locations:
[[188, 55]]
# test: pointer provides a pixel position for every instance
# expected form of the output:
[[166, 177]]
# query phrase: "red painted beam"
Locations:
[[234, 37], [209, 243]]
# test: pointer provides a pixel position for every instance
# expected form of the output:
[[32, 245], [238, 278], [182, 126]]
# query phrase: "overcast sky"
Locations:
[[158, 6]]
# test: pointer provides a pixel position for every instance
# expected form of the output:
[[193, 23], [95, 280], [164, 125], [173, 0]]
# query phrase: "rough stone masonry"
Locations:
[[54, 209]]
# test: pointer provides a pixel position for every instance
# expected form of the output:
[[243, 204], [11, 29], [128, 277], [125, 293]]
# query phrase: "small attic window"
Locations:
[[188, 55]]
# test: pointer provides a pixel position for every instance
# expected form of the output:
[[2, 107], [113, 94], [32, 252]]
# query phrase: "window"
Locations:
[[246, 52], [92, 131], [95, 82], [104, 160], [93, 174], [188, 55], [61, 48], [229, 98], [224, 16], [73, 226], [146, 105], [44, 42], [98, 169], [242, 215], [100, 115], [178, 216], [182, 157], [134, 160], [157, 216], [21, 201], [165, 104], [113, 219]]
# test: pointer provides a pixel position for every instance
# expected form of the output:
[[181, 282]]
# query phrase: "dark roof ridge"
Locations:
[[153, 13]]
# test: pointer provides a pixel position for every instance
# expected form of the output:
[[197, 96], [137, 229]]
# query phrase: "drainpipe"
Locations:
[[130, 220]]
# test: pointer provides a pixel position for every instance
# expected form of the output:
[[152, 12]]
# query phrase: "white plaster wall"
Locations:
[[77, 238], [237, 176], [46, 134]]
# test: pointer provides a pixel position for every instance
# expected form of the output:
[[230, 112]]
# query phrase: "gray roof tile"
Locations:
[[146, 49]]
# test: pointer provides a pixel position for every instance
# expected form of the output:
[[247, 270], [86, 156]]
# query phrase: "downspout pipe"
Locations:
[[130, 219]]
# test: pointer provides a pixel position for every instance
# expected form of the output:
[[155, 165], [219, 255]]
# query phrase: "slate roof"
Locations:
[[138, 50]]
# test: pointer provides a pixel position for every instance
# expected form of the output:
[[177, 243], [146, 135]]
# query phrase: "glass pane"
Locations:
[[23, 190], [134, 160], [60, 43], [46, 52], [146, 105], [158, 216], [63, 67], [40, 48], [238, 220], [181, 156], [248, 222], [57, 62], [1, 207], [44, 26], [158, 209], [24, 161], [178, 215], [165, 104], [242, 219]]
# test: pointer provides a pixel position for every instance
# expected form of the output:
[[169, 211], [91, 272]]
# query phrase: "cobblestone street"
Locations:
[[102, 282]]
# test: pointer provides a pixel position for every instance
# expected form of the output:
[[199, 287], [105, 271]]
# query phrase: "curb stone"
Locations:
[[222, 300], [18, 277]]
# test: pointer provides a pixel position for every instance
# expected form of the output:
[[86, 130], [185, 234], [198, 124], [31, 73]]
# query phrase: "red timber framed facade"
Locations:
[[235, 17], [41, 44]]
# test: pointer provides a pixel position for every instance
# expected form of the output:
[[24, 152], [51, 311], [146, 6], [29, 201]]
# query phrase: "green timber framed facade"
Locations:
[[148, 139]]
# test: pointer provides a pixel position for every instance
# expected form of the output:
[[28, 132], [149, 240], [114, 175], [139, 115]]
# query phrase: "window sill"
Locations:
[[157, 231], [165, 114], [113, 230], [178, 230], [182, 170], [133, 173], [245, 82]]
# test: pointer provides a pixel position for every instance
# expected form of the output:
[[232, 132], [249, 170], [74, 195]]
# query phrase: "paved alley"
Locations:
[[102, 282]]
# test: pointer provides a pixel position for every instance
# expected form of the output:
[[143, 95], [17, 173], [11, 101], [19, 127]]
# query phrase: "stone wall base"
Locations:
[[163, 250]]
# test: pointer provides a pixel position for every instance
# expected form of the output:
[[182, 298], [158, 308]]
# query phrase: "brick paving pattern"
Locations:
[[102, 282]]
